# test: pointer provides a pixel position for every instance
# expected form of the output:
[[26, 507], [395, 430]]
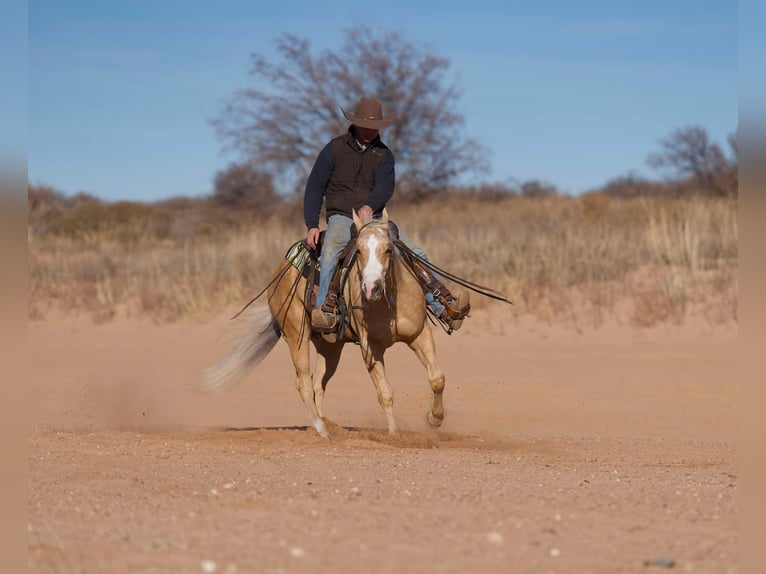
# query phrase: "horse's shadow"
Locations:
[[352, 435], [359, 436]]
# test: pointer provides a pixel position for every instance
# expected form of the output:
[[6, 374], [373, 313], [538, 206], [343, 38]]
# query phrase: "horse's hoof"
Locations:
[[434, 421], [321, 429]]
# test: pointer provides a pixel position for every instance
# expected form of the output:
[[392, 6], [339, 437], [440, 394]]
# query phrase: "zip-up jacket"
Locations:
[[348, 177]]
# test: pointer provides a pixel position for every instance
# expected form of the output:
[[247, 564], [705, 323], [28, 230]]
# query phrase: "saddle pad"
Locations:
[[302, 258], [299, 255]]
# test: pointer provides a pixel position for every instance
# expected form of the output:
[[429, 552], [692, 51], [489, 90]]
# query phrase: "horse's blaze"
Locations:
[[373, 273]]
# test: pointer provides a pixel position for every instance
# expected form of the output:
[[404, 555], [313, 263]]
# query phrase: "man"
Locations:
[[355, 171]]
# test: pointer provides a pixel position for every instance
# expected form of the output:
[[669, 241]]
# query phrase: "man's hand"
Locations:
[[365, 213], [312, 237]]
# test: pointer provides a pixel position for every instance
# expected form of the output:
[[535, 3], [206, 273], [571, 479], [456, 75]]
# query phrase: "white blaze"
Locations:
[[373, 271]]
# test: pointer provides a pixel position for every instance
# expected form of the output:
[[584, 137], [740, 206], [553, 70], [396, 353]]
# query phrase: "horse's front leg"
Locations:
[[373, 355], [425, 349]]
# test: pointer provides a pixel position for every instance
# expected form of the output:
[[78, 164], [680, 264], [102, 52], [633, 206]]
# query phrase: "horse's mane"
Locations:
[[374, 225]]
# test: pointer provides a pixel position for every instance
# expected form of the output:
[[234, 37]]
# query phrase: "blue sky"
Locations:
[[572, 93]]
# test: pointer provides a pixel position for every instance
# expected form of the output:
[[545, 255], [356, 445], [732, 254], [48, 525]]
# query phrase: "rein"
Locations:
[[277, 278], [480, 289]]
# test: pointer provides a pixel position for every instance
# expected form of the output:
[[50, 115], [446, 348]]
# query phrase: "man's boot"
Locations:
[[323, 321], [455, 308]]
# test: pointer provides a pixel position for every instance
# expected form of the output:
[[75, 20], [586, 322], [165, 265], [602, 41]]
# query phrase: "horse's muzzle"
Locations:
[[372, 292]]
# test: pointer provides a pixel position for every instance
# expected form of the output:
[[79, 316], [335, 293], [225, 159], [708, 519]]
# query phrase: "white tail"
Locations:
[[261, 333]]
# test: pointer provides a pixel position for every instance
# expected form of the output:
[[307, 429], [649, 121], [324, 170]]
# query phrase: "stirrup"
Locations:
[[456, 310], [324, 321]]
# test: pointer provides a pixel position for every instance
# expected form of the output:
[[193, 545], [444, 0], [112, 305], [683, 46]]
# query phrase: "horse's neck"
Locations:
[[405, 277]]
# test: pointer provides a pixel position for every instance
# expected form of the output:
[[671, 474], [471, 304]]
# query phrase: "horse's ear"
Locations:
[[384, 217], [357, 222]]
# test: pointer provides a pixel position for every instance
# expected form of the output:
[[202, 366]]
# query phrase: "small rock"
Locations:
[[495, 537], [661, 562], [555, 552], [297, 552], [208, 566]]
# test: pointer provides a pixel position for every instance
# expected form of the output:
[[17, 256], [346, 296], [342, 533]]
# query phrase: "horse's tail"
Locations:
[[261, 333]]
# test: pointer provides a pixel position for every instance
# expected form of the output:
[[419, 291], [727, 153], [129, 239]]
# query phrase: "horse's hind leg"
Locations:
[[328, 357], [301, 359], [425, 349]]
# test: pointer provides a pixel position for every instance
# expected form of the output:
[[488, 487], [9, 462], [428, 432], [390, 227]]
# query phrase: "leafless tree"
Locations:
[[690, 152], [283, 121]]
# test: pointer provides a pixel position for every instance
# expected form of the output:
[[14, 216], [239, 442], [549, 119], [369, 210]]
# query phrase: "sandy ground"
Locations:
[[608, 451]]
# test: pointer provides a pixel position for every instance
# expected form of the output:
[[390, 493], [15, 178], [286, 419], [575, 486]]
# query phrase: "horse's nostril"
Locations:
[[372, 292]]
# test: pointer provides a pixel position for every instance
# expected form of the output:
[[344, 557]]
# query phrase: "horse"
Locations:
[[385, 304]]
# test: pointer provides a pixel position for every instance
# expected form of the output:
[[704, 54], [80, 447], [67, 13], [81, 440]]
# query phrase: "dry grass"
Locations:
[[578, 260]]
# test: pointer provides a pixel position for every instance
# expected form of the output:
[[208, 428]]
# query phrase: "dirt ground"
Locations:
[[607, 451]]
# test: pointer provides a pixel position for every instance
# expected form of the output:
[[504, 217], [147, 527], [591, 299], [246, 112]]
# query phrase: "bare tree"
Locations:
[[690, 152], [282, 123]]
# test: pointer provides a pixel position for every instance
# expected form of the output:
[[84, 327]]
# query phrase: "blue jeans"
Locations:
[[337, 236]]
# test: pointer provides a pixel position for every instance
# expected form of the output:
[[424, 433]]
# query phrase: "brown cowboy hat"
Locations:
[[368, 114]]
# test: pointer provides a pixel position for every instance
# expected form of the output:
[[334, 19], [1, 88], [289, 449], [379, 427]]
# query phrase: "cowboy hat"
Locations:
[[368, 114]]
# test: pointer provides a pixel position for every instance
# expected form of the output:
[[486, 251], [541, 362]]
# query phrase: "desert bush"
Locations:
[[94, 221], [242, 186]]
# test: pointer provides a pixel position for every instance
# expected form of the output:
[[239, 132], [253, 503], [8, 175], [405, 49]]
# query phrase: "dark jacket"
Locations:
[[348, 178]]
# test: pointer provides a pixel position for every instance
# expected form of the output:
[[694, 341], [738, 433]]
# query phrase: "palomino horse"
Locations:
[[386, 305]]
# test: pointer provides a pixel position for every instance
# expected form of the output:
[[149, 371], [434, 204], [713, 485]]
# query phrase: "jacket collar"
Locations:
[[351, 139]]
